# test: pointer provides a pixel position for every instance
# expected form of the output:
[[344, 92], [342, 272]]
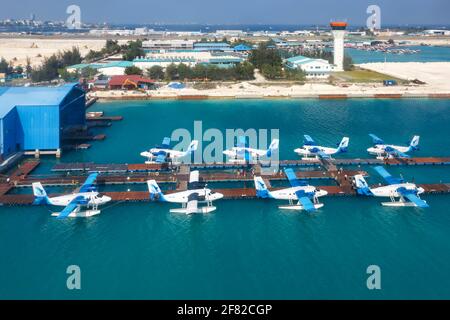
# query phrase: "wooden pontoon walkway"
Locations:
[[73, 174], [142, 167]]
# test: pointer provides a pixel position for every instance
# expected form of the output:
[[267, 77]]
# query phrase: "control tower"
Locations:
[[338, 29]]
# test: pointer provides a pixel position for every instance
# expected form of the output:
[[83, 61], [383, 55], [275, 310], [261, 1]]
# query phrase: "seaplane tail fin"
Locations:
[[343, 145], [154, 190], [192, 147], [40, 196], [261, 188], [414, 144], [361, 185], [273, 147]]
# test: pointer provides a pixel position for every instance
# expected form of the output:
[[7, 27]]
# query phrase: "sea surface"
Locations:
[[247, 249], [426, 54]]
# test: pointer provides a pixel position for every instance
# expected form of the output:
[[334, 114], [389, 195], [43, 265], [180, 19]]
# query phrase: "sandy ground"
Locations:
[[32, 48], [435, 74]]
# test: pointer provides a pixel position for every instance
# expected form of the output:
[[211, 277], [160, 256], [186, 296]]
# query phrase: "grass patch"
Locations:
[[204, 85], [363, 76]]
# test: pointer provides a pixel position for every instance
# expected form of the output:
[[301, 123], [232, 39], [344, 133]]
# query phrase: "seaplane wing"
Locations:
[[416, 200], [247, 155], [305, 201], [161, 157], [309, 141], [293, 180], [387, 176], [396, 153], [322, 155], [165, 143], [243, 147], [76, 202], [194, 176], [375, 139], [88, 185], [192, 204], [242, 142], [194, 181]]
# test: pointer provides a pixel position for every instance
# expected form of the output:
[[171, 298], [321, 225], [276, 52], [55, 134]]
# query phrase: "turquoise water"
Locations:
[[426, 54], [247, 248]]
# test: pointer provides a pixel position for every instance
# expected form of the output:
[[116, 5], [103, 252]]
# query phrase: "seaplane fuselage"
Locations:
[[237, 151], [308, 151], [204, 195], [154, 152], [290, 193], [379, 149], [392, 190], [92, 198]]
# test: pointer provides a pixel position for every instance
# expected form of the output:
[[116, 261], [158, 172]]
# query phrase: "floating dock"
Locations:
[[142, 167], [74, 174]]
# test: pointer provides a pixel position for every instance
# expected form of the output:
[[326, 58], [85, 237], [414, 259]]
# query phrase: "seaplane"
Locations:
[[86, 197], [310, 149], [408, 193], [197, 193], [163, 152], [241, 153], [305, 195], [382, 150]]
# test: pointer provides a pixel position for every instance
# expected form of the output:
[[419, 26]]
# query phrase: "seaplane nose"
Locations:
[[106, 199], [219, 195]]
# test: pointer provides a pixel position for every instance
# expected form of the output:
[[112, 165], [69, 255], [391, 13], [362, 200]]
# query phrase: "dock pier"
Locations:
[[74, 174]]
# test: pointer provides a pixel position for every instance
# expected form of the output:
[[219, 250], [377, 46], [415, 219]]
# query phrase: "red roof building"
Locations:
[[130, 82]]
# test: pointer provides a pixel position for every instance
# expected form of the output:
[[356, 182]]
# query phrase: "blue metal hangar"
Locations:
[[35, 120]]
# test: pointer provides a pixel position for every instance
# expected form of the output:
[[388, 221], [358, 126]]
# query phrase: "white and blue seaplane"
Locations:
[[86, 197], [242, 153], [197, 193], [408, 193], [382, 150], [310, 149], [305, 195], [163, 152]]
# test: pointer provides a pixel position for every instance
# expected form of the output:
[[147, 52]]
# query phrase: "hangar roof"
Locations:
[[11, 97]]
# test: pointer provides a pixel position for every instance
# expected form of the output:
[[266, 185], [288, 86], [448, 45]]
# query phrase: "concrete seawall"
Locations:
[[276, 97]]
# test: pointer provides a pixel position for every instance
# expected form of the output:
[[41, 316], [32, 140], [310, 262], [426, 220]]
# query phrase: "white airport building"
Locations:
[[168, 44], [191, 59], [314, 68], [230, 33]]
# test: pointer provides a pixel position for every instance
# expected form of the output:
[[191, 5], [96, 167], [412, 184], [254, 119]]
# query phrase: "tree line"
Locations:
[[8, 68], [270, 63], [130, 50], [55, 65], [241, 71]]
